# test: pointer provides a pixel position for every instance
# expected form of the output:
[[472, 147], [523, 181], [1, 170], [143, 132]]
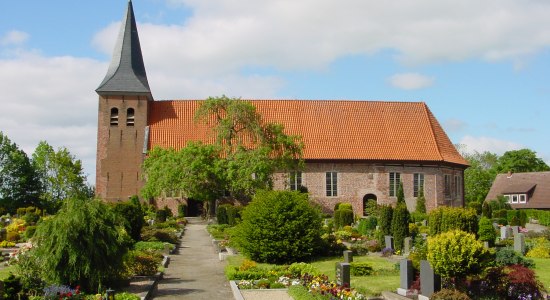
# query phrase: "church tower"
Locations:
[[124, 97]]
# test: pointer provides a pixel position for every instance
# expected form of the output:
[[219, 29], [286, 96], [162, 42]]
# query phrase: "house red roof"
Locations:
[[536, 185], [330, 130]]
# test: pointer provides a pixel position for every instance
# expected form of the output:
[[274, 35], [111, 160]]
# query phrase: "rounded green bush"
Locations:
[[279, 227]]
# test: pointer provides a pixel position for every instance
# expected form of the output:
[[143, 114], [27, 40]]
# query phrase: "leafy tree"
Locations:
[[400, 225], [246, 153], [19, 184], [524, 160], [421, 202], [61, 175], [456, 254], [479, 177], [83, 244], [279, 227]]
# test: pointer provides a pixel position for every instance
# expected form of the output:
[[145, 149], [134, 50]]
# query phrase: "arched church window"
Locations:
[[114, 116], [130, 117]]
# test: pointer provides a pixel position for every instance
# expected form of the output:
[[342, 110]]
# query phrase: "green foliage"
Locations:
[[475, 205], [486, 210], [508, 257], [371, 208], [83, 244], [457, 254], [516, 217], [444, 219], [400, 194], [385, 219], [19, 182], [221, 214], [152, 246], [419, 252], [343, 216], [523, 160], [367, 225], [420, 202], [152, 234], [126, 296], [361, 269], [542, 216], [142, 263], [30, 271], [133, 214], [540, 249], [182, 207], [400, 225], [279, 227], [486, 231], [61, 176], [233, 215], [449, 294], [418, 217], [162, 215], [12, 288]]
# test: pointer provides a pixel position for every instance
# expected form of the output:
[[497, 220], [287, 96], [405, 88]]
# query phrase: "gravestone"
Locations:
[[406, 275], [429, 281], [486, 245], [343, 274], [503, 233], [515, 230], [348, 256], [389, 241], [407, 245], [519, 243], [495, 225], [424, 222]]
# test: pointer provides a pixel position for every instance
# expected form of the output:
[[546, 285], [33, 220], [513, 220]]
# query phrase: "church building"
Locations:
[[353, 150]]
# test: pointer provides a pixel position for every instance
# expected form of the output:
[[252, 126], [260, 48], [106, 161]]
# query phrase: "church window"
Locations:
[[295, 180], [395, 178], [418, 183], [447, 186], [130, 117], [332, 184], [114, 116]]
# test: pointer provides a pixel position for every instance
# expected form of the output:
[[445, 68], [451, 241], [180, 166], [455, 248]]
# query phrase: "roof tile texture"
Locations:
[[332, 130]]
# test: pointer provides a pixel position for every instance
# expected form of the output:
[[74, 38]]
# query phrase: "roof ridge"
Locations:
[[427, 112]]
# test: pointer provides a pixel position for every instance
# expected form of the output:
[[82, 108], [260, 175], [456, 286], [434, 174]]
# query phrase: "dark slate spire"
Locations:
[[126, 74]]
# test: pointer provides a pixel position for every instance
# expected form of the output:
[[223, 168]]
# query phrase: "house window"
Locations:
[[522, 198], [395, 178], [509, 200], [418, 183], [332, 184], [514, 198], [295, 180], [130, 117], [114, 116], [457, 187], [447, 186]]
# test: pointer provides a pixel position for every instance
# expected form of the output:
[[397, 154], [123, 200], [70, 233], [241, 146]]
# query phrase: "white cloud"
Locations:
[[14, 37], [455, 125], [483, 143], [410, 81]]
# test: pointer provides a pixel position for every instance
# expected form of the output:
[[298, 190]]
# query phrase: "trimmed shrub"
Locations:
[[486, 232], [151, 234], [449, 294], [486, 210], [367, 225], [400, 225], [133, 214], [475, 206], [343, 217], [452, 218], [233, 215], [456, 254], [371, 208], [386, 214], [361, 269], [279, 227], [142, 263], [508, 257], [516, 217]]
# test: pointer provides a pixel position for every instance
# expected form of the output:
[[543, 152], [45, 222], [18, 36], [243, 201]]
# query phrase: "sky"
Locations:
[[482, 67]]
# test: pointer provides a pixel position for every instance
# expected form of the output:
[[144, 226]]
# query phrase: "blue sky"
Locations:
[[483, 67]]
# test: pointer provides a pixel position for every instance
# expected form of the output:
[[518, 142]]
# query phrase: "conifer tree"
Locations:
[[400, 225], [421, 201]]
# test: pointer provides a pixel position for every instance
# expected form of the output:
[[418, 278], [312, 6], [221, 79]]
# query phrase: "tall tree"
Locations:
[[243, 159], [19, 184], [524, 160], [61, 175], [479, 177]]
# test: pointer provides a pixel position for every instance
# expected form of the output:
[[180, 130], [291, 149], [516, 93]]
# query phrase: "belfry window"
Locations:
[[130, 117], [114, 116]]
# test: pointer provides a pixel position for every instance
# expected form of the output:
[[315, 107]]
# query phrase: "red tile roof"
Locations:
[[332, 130]]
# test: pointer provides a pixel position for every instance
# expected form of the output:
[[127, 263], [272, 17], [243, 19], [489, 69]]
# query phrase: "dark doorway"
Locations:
[[366, 199], [194, 208]]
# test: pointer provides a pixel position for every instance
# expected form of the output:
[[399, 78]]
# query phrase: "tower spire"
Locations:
[[126, 74]]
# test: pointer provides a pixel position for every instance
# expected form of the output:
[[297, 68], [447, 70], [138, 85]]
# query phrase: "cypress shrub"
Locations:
[[371, 209], [400, 225], [400, 193], [337, 219], [386, 214], [486, 210], [343, 216], [421, 202], [181, 210], [279, 227], [475, 206], [452, 218], [487, 232]]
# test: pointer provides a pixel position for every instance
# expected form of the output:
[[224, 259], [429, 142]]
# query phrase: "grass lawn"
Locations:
[[542, 269], [385, 279]]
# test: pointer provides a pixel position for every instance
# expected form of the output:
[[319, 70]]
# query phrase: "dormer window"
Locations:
[[130, 117], [114, 116], [516, 198]]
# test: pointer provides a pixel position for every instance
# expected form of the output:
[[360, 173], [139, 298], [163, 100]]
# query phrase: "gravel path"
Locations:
[[195, 271]]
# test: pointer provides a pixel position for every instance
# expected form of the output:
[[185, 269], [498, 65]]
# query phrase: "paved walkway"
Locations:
[[195, 271]]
